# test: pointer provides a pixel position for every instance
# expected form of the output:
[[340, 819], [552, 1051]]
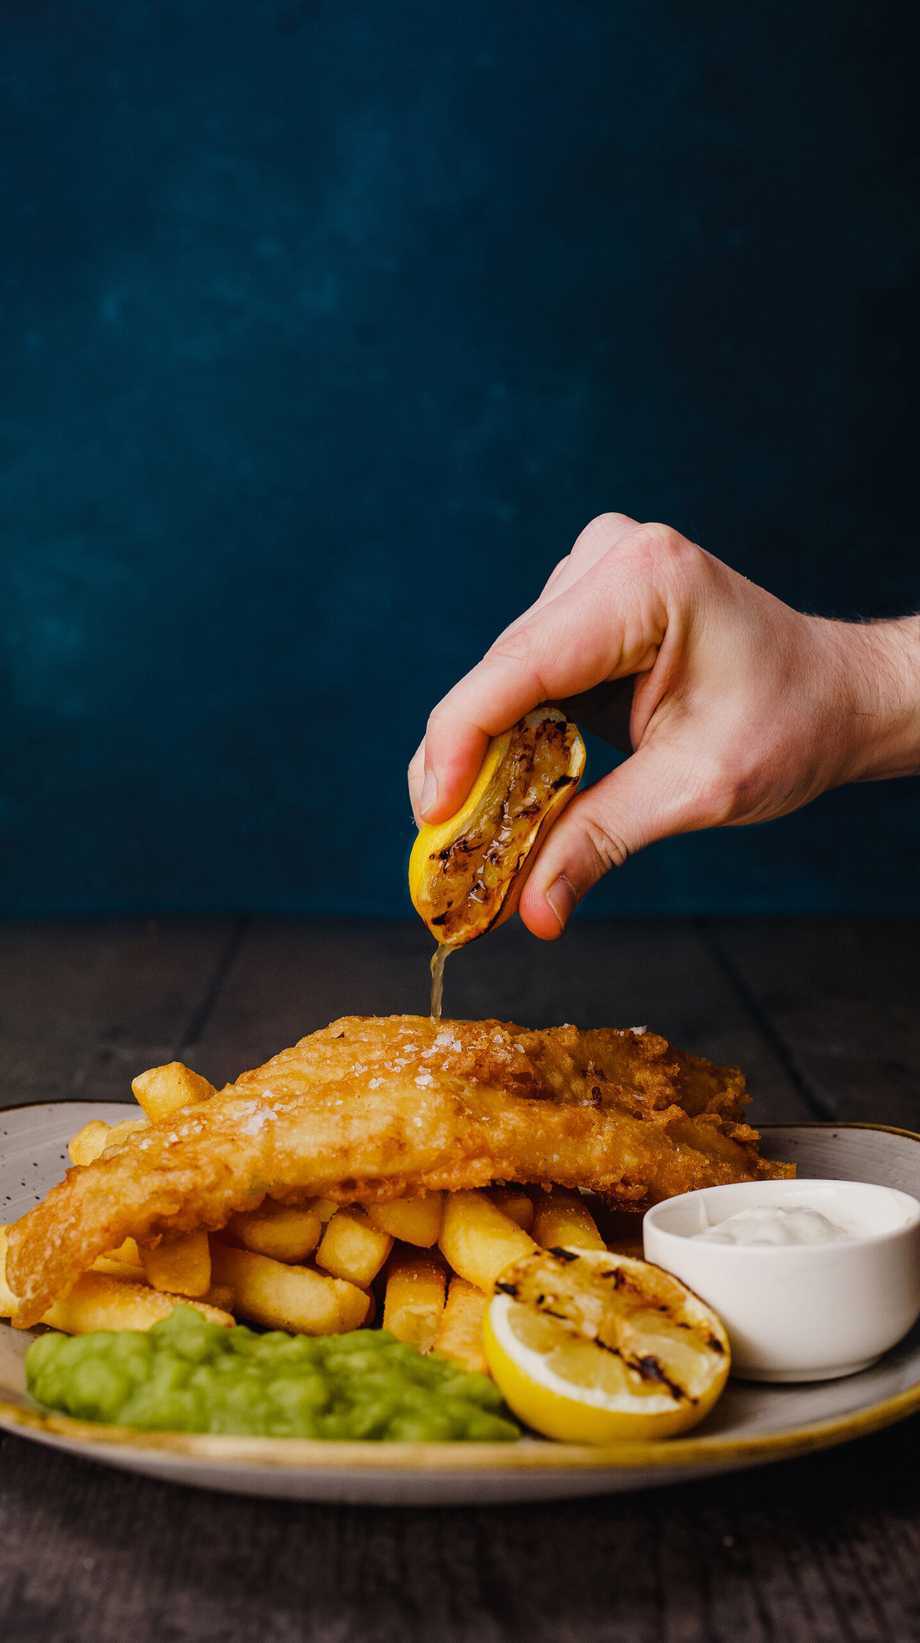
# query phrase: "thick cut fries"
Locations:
[[163, 1090], [414, 1297], [128, 1252], [478, 1240], [325, 1208], [179, 1265], [118, 1269], [514, 1202], [98, 1301], [86, 1146], [353, 1249], [7, 1298], [413, 1220], [288, 1297], [123, 1262], [282, 1231], [90, 1143], [560, 1218], [220, 1295], [460, 1331]]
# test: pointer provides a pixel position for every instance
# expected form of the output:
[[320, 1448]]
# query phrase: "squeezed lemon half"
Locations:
[[593, 1347], [466, 874]]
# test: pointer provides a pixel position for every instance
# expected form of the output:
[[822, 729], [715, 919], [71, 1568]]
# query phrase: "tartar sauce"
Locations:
[[799, 1225]]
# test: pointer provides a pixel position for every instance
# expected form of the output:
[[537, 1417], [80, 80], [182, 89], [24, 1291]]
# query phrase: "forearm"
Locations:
[[880, 664]]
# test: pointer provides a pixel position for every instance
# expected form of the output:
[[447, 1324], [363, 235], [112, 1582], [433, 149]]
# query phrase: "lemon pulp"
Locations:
[[592, 1347], [465, 873]]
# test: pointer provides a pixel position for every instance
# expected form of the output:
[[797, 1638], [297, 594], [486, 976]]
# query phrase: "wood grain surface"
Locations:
[[823, 1018]]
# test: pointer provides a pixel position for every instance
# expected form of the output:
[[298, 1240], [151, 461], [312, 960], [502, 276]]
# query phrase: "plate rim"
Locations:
[[212, 1451]]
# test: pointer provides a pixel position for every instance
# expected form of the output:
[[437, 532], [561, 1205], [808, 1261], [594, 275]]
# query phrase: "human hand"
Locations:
[[742, 708]]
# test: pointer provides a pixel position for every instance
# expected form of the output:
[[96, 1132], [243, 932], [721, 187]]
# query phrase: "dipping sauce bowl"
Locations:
[[799, 1312]]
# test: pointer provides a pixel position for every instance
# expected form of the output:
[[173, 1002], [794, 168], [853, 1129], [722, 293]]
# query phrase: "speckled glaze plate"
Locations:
[[751, 1425]]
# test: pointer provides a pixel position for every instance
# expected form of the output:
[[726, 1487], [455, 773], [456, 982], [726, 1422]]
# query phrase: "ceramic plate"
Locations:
[[752, 1424]]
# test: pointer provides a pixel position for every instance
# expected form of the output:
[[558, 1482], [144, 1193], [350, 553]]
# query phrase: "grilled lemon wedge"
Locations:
[[592, 1347], [466, 874]]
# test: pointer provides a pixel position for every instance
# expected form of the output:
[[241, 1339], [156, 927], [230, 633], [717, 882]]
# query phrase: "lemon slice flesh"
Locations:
[[466, 874], [593, 1347]]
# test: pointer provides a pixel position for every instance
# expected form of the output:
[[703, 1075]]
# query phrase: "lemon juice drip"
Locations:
[[438, 960]]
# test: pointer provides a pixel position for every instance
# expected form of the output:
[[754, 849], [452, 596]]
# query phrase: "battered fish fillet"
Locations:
[[376, 1108]]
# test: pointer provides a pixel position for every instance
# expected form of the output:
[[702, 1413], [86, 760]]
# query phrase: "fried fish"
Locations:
[[376, 1108]]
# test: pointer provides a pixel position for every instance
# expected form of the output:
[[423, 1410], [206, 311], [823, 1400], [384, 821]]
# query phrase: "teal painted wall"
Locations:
[[325, 329]]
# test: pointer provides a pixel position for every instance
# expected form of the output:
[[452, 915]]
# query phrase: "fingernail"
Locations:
[[429, 796], [562, 899]]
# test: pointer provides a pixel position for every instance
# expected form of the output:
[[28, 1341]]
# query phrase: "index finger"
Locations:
[[438, 784], [604, 626]]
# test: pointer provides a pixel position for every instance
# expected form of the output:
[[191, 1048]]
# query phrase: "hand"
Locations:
[[742, 708]]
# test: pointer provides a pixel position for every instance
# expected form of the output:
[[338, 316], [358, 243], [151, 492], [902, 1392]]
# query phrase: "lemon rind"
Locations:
[[433, 836]]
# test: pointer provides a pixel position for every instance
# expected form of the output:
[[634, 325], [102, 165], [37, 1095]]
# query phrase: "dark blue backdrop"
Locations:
[[328, 325]]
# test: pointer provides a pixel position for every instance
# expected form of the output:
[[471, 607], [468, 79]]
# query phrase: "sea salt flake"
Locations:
[[258, 1117], [446, 1041]]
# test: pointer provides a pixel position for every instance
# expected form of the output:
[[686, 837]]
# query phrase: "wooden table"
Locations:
[[823, 1016]]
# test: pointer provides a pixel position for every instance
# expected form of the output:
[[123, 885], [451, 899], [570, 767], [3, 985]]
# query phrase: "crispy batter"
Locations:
[[626, 1067], [381, 1107]]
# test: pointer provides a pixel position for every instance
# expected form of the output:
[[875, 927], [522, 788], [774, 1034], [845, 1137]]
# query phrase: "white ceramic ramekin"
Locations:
[[798, 1312]]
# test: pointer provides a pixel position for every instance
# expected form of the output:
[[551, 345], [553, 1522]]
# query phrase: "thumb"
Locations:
[[645, 799]]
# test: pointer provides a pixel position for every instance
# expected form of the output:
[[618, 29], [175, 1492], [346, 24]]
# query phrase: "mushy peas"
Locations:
[[188, 1375]]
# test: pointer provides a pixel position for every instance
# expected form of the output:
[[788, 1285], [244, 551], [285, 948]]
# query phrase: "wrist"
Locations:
[[879, 671]]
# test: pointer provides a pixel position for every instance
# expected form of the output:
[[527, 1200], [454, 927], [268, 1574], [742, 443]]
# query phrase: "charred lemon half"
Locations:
[[466, 874], [592, 1347]]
